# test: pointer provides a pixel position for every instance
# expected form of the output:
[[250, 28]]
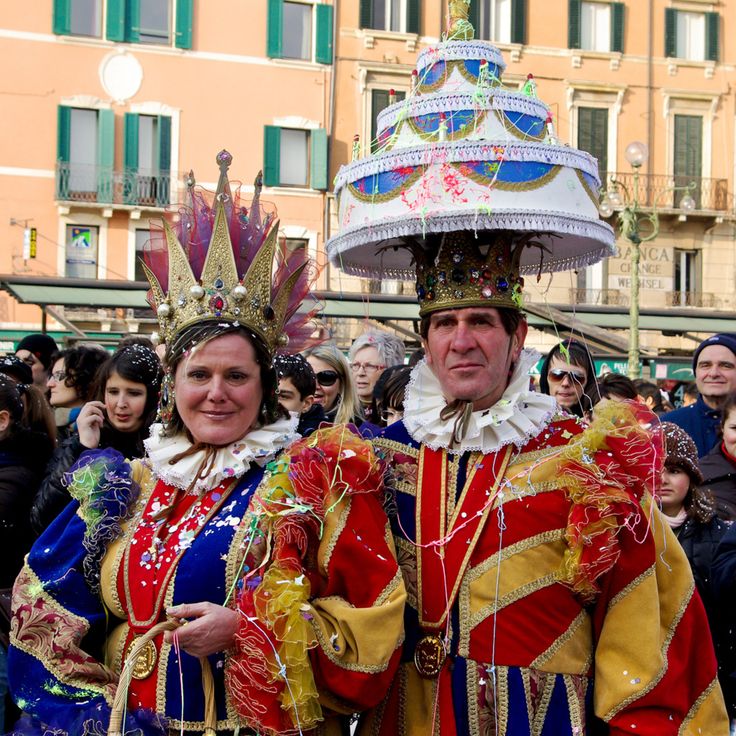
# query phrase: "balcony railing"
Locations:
[[614, 297], [694, 299], [104, 185], [665, 192]]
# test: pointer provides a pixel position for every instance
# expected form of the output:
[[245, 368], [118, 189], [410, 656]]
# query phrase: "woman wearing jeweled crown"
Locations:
[[237, 579]]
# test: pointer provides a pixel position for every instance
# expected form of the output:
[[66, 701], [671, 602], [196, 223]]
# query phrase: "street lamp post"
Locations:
[[630, 218]]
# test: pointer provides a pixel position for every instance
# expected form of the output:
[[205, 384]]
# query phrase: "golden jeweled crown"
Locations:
[[263, 299], [467, 271]]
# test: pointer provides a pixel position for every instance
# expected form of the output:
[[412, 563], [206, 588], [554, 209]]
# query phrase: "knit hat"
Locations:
[[16, 369], [727, 339], [680, 450], [42, 346]]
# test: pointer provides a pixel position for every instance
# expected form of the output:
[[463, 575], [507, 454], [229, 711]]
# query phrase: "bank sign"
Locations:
[[656, 270]]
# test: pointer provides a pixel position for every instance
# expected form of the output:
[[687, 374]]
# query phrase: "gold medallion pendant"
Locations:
[[429, 656], [145, 662]]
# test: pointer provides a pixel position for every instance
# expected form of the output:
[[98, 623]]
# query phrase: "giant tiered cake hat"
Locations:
[[463, 155]]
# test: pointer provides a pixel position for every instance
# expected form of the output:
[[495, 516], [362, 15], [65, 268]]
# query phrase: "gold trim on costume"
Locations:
[[635, 583], [580, 620], [335, 533], [685, 602], [53, 664], [389, 589], [540, 712], [576, 701], [393, 446]]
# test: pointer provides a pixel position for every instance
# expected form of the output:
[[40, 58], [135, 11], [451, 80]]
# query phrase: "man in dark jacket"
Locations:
[[714, 366]]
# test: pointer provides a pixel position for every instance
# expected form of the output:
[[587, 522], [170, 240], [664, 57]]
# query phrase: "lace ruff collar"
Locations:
[[517, 416], [232, 461]]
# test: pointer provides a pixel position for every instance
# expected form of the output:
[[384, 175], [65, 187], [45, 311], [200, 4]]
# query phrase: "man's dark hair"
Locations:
[[299, 371], [510, 319]]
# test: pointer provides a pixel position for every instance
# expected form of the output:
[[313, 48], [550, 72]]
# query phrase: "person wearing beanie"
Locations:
[[714, 366], [15, 369], [36, 351], [690, 511]]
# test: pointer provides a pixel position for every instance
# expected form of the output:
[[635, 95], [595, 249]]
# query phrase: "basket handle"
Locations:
[[121, 694]]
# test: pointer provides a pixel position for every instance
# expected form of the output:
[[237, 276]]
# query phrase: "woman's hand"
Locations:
[[211, 628], [89, 423]]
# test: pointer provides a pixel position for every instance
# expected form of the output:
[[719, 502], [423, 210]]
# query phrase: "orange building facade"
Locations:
[[107, 103]]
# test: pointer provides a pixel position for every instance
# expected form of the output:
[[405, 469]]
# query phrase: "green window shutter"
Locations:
[[712, 22], [183, 24], [474, 16], [271, 155], [163, 182], [366, 14], [593, 136], [275, 28], [63, 132], [617, 27], [688, 155], [324, 34], [413, 16], [62, 17], [573, 23], [64, 118], [318, 158], [670, 32], [133, 21], [379, 101], [130, 158], [115, 20], [518, 21], [105, 154]]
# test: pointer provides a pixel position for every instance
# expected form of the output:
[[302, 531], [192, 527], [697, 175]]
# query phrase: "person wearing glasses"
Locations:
[[335, 390], [568, 376], [71, 384], [370, 354]]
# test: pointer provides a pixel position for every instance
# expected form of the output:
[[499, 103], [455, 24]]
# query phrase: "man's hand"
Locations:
[[210, 628], [89, 423]]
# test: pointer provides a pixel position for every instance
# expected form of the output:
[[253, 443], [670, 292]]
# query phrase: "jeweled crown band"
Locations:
[[467, 271]]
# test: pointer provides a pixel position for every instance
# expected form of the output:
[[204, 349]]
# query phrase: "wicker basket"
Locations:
[[121, 695]]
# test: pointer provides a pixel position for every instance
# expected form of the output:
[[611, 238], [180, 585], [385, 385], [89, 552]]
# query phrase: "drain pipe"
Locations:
[[650, 99], [330, 135]]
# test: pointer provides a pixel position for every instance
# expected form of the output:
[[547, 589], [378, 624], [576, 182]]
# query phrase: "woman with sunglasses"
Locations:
[[568, 375], [335, 388]]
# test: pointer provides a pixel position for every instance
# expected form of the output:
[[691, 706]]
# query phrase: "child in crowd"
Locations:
[[297, 385]]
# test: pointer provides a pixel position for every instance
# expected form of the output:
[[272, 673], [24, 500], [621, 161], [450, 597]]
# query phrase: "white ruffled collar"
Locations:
[[232, 461], [517, 416]]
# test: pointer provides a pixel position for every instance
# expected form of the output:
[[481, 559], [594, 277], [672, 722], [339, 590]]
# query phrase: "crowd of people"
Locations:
[[260, 534]]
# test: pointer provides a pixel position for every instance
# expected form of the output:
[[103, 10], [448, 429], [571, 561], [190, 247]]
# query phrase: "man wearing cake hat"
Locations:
[[544, 594]]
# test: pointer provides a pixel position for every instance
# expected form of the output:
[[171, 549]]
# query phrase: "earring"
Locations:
[[166, 399]]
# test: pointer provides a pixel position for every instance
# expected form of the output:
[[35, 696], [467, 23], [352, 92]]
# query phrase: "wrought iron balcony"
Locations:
[[665, 192], [695, 299], [105, 186], [612, 297]]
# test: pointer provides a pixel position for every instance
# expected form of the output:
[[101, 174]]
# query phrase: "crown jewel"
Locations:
[[222, 262], [469, 271]]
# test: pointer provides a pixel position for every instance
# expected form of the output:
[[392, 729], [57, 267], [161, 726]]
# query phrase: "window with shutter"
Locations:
[[595, 26], [593, 136], [573, 23], [690, 36], [401, 16], [494, 20], [380, 101], [687, 166]]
